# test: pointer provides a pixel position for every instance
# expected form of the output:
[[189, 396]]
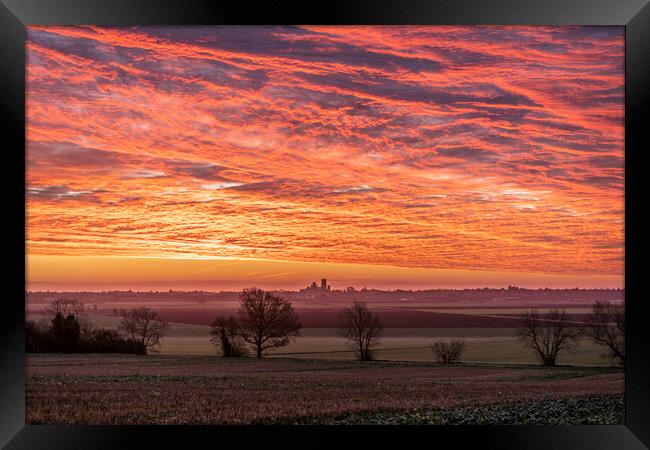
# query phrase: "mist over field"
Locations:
[[486, 318]]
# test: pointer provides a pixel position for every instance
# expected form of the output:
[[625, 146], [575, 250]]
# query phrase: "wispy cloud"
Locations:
[[217, 186], [430, 146], [361, 188], [144, 174]]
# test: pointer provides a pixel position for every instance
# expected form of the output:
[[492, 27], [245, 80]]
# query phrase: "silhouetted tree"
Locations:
[[66, 335], [38, 338], [448, 352], [71, 307], [361, 328], [226, 333], [65, 332], [548, 335], [606, 327], [143, 325], [266, 320]]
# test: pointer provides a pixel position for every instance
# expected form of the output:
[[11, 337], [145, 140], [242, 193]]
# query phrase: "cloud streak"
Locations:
[[503, 146]]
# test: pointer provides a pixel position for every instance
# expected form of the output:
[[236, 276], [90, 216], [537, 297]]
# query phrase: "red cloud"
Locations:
[[447, 147]]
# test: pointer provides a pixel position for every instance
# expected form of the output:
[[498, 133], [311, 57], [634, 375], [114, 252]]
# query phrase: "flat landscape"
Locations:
[[398, 344], [483, 345], [211, 390], [325, 225], [317, 379], [489, 332]]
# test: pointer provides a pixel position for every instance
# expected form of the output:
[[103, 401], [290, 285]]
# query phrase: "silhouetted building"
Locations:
[[315, 290]]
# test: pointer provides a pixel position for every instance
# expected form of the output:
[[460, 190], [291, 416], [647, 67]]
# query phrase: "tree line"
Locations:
[[68, 330], [265, 321]]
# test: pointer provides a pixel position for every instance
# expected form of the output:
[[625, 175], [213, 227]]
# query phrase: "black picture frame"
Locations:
[[16, 14]]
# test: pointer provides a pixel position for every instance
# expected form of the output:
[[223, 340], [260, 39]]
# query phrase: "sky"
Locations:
[[387, 156]]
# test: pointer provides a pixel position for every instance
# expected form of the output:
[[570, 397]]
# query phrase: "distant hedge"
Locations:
[[63, 335]]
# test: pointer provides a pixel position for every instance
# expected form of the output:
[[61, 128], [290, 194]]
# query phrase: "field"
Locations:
[[483, 345], [316, 379], [103, 389]]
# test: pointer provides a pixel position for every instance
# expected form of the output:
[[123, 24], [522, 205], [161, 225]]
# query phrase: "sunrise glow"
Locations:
[[207, 157]]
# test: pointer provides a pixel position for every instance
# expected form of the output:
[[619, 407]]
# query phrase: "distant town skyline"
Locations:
[[392, 156], [100, 273]]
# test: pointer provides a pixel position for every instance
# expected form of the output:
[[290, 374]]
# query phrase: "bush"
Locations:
[[66, 332], [63, 336], [226, 334], [38, 338], [448, 352], [110, 341]]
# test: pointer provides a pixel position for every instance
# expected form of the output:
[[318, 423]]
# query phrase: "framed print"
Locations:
[[370, 222]]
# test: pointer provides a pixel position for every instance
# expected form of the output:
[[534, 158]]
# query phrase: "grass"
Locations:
[[587, 410], [480, 349], [120, 389]]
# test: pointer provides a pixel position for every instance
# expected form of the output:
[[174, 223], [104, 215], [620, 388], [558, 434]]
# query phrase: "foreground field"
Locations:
[[586, 410], [100, 389]]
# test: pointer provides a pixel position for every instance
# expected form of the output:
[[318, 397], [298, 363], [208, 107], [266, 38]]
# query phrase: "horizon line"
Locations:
[[344, 290]]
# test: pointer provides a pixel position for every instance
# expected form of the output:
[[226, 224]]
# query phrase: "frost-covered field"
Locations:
[[102, 389]]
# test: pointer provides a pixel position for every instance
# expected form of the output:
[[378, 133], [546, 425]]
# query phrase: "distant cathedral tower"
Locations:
[[323, 283]]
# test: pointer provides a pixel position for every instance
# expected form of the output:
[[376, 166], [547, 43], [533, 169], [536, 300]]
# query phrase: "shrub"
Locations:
[[110, 341], [448, 352], [63, 336], [226, 333], [66, 332], [38, 338]]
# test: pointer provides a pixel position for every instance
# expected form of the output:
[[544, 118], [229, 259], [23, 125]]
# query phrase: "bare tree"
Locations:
[[361, 328], [606, 327], [86, 326], [266, 320], [66, 307], [226, 333], [143, 325], [548, 335], [448, 352]]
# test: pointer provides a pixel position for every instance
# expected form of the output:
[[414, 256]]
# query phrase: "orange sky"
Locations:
[[383, 154]]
